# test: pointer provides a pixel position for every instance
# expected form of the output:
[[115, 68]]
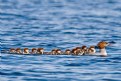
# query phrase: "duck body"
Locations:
[[79, 50], [33, 51], [26, 51], [91, 50], [18, 51], [12, 50], [40, 50], [67, 52], [102, 48]]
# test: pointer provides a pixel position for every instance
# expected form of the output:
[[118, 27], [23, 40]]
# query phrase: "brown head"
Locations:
[[18, 50], [77, 47], [91, 47], [26, 50], [84, 47], [78, 50], [34, 50], [40, 50], [67, 51], [12, 50], [73, 50], [53, 51], [102, 44], [91, 50], [58, 51]]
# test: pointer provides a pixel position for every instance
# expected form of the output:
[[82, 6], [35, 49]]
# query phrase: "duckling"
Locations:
[[18, 51], [67, 52], [58, 52], [12, 50], [33, 50], [91, 50], [53, 51], [74, 51], [40, 50], [79, 51], [84, 49], [26, 51]]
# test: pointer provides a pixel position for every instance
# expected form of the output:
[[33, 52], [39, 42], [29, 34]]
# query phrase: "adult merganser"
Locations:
[[26, 51], [101, 45]]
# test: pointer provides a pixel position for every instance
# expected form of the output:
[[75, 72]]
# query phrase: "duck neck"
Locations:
[[103, 52]]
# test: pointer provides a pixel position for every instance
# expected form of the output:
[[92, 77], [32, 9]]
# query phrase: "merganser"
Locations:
[[18, 51], [84, 50], [40, 50], [33, 50], [77, 51], [53, 51], [91, 50], [12, 50], [67, 52], [26, 51], [73, 51], [58, 51], [101, 45]]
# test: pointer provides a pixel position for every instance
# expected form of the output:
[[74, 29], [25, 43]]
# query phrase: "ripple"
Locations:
[[60, 24], [11, 16], [76, 64], [12, 73]]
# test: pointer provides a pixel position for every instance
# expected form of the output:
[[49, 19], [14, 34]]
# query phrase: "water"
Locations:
[[60, 24]]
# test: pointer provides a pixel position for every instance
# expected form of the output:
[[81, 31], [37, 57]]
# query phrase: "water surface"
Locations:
[[60, 24]]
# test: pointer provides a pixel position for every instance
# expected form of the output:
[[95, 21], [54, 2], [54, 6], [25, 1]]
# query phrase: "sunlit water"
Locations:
[[60, 24]]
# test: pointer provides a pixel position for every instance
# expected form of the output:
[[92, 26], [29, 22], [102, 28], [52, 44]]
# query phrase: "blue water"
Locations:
[[60, 24]]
